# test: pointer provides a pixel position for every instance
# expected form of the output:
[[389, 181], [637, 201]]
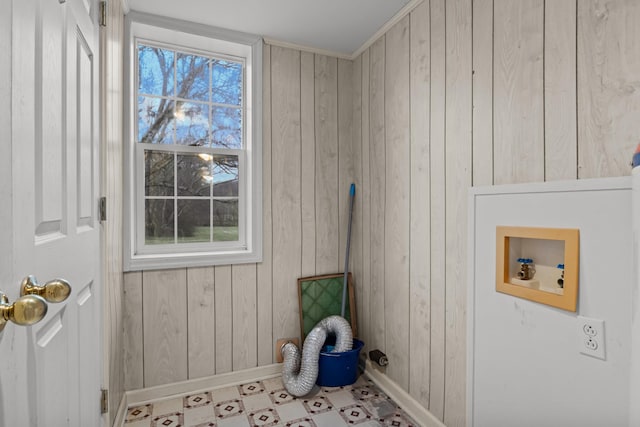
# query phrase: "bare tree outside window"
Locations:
[[186, 99]]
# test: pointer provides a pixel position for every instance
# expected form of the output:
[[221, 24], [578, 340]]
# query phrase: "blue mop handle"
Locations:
[[352, 195]]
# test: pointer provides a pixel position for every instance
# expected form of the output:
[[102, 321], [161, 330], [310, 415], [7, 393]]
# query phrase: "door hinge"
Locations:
[[104, 401], [103, 13], [102, 209]]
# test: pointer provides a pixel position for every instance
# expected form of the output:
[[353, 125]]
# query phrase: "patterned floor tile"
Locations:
[[257, 401], [341, 398], [355, 414], [251, 388], [317, 405], [267, 403], [195, 400], [168, 420], [264, 417], [364, 392], [292, 411], [229, 408], [280, 397], [138, 413], [199, 415]]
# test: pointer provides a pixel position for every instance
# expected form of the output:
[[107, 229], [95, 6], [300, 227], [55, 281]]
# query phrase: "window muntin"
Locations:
[[194, 159]]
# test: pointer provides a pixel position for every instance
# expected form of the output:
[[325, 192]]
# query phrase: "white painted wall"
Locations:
[[634, 395], [525, 368]]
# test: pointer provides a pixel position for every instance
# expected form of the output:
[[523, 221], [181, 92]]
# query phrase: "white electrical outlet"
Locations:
[[591, 337]]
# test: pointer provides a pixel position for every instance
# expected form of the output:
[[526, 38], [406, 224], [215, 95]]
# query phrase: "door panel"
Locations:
[[49, 122], [52, 209], [84, 66], [51, 367]]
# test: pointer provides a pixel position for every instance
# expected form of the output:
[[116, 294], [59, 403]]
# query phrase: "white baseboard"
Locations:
[[408, 404], [141, 396]]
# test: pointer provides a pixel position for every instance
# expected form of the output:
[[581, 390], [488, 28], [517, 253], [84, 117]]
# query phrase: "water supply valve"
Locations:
[[378, 357], [561, 279], [526, 269]]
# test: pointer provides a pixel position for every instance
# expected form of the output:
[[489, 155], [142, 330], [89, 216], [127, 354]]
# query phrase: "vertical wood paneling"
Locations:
[[201, 321], [133, 350], [308, 162], [397, 208], [345, 154], [364, 195], [437, 163], [164, 313], [377, 186], [224, 319], [608, 92], [243, 279], [420, 256], [458, 179], [560, 115], [518, 91], [326, 119], [285, 159], [111, 48], [265, 269], [357, 236], [482, 92]]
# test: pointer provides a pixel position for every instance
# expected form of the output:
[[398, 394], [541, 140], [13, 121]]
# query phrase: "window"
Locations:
[[193, 122]]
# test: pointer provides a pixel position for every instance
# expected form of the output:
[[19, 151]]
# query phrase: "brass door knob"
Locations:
[[56, 290], [27, 310]]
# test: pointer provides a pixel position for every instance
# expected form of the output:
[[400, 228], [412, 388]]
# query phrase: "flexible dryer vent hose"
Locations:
[[300, 374]]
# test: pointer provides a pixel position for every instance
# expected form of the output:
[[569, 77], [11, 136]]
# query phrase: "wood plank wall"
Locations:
[[464, 93], [458, 93], [111, 49]]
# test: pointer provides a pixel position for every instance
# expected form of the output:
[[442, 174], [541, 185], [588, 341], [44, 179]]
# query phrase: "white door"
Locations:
[[50, 373]]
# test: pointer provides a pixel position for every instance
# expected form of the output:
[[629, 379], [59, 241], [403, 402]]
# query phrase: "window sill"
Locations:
[[170, 261]]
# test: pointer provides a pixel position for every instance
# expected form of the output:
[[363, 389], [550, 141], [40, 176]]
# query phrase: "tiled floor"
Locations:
[[267, 403]]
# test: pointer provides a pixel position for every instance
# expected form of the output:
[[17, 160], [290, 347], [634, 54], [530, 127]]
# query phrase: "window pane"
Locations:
[[226, 127], [227, 82], [225, 176], [225, 220], [159, 221], [155, 120], [193, 221], [158, 173], [192, 123], [194, 175], [155, 71], [193, 77]]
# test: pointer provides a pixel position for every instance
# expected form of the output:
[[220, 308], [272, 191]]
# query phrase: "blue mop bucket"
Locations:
[[338, 369]]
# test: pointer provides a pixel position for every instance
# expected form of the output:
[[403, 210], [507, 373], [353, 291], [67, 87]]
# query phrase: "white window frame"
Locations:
[[180, 34]]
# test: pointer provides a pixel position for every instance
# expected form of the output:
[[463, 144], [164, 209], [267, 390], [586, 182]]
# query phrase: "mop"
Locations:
[[352, 195]]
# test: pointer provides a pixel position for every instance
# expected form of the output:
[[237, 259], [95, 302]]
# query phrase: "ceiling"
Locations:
[[336, 26]]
